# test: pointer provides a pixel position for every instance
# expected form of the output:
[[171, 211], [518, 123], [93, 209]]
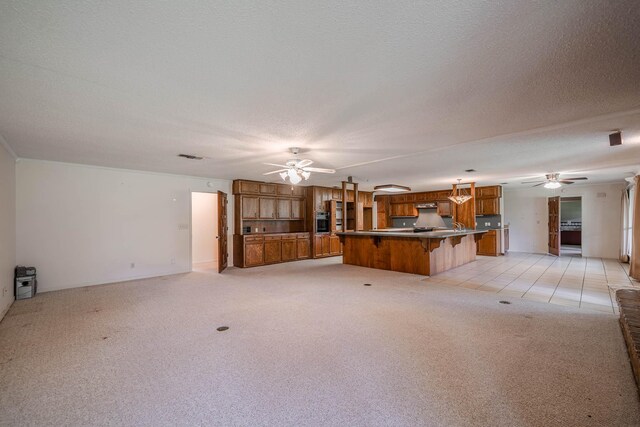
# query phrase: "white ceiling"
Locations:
[[410, 93]]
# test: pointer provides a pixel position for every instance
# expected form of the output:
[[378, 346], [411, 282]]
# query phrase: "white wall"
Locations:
[[527, 213], [83, 225], [204, 227], [7, 227]]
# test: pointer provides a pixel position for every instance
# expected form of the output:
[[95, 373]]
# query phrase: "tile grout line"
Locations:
[[539, 277], [501, 273], [517, 277], [559, 281], [584, 273]]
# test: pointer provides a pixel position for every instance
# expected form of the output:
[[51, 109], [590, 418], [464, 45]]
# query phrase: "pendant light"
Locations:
[[457, 197]]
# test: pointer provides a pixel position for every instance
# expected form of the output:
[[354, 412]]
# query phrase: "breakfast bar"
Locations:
[[426, 253]]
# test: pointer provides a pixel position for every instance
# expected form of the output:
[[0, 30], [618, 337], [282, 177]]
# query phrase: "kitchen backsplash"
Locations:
[[483, 222]]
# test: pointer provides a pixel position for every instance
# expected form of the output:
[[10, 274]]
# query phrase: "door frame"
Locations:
[[216, 193], [571, 199], [550, 250]]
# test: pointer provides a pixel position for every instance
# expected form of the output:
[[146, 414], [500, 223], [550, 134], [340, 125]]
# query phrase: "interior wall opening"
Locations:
[[571, 226], [204, 232]]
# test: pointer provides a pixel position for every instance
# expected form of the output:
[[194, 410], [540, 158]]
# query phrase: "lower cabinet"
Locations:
[[289, 248], [272, 249], [326, 245], [251, 251], [490, 244]]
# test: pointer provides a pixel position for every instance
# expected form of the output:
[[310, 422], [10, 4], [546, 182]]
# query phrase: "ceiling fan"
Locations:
[[296, 169], [553, 181]]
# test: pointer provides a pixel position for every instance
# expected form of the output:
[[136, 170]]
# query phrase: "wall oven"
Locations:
[[323, 222]]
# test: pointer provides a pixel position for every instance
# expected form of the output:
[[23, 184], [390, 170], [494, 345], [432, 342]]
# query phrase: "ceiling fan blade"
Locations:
[[273, 164], [278, 171], [319, 170], [532, 182], [564, 181], [575, 179], [538, 185], [304, 163]]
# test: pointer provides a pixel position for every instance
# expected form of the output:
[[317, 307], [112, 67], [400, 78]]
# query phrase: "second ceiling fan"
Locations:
[[553, 180]]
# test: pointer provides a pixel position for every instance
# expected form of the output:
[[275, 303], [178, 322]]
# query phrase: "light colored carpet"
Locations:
[[308, 344]]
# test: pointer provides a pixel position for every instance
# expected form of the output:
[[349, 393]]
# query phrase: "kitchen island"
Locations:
[[425, 253]]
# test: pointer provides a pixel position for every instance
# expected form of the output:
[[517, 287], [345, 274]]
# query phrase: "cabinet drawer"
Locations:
[[289, 237], [272, 238], [303, 235], [253, 238]]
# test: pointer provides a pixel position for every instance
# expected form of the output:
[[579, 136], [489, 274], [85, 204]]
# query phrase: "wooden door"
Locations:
[[554, 225], [267, 208], [223, 229], [326, 245], [284, 209]]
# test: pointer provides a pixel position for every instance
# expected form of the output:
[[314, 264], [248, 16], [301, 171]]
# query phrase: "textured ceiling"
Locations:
[[406, 92]]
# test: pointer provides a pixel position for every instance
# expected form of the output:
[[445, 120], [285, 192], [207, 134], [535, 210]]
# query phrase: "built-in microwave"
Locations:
[[323, 222]]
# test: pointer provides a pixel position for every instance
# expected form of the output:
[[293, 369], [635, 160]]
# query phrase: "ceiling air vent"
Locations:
[[190, 156]]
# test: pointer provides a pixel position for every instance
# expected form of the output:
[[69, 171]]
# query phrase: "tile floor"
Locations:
[[588, 283]]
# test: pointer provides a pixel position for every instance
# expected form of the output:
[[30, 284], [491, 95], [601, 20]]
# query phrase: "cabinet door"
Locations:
[[444, 208], [326, 245], [317, 245], [249, 187], [336, 194], [284, 208], [267, 208], [488, 206], [253, 254], [396, 209], [288, 249], [268, 189], [250, 207], [494, 191], [487, 245], [297, 209], [272, 251], [299, 191], [284, 190], [303, 249], [335, 248]]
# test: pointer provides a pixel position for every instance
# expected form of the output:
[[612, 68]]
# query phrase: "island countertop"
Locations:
[[439, 234], [423, 252]]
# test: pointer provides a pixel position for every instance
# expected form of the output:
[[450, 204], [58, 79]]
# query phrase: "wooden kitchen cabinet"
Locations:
[[284, 208], [272, 249], [444, 208], [490, 244], [322, 245], [253, 251], [403, 209], [250, 207], [267, 208], [284, 190], [289, 248], [488, 206], [269, 189], [335, 247], [491, 192], [297, 209], [336, 194], [303, 246], [299, 191]]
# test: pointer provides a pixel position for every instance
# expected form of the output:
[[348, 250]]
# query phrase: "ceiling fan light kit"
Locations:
[[296, 169]]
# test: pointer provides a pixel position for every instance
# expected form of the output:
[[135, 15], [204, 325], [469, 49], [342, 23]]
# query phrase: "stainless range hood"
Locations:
[[426, 205]]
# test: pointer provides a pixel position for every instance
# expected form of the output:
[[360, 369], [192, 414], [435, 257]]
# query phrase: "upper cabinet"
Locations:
[[267, 208], [250, 207], [492, 192], [488, 206]]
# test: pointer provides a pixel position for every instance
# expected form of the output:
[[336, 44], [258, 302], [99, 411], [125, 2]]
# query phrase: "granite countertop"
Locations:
[[441, 234]]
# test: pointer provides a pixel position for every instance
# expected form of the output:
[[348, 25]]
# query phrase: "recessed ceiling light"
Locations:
[[391, 188], [190, 156], [469, 170]]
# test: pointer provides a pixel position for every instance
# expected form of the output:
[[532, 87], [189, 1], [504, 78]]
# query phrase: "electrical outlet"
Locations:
[[4, 291], [133, 265]]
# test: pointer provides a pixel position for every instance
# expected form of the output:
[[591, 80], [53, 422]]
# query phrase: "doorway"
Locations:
[[571, 226], [204, 232]]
